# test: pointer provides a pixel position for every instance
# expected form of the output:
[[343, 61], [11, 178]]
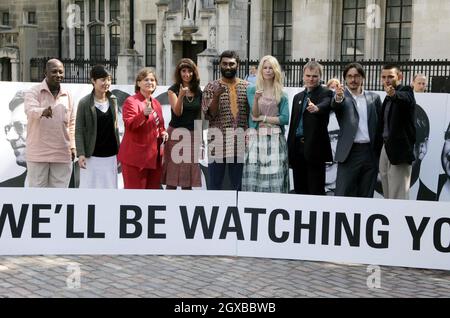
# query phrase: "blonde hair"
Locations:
[[333, 80], [277, 80]]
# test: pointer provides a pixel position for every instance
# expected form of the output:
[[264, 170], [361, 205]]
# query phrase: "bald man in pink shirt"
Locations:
[[50, 130]]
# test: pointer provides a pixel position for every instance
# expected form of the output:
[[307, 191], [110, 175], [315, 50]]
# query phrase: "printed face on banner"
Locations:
[[16, 129]]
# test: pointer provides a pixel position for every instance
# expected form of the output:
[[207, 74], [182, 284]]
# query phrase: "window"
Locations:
[[282, 29], [5, 18], [114, 41], [92, 10], [97, 41], [397, 45], [353, 30], [207, 4], [150, 44], [114, 9], [79, 33], [32, 17], [101, 10], [100, 28]]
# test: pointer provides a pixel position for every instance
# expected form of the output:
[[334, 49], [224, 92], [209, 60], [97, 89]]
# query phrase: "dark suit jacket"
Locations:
[[442, 179], [401, 122], [16, 182], [348, 118], [424, 193], [317, 141]]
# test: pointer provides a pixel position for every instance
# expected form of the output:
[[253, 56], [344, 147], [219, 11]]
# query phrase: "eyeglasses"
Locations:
[[357, 76], [18, 126]]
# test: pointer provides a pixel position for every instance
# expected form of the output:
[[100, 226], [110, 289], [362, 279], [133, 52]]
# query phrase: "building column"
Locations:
[[15, 71], [223, 38], [27, 42], [162, 44], [205, 65]]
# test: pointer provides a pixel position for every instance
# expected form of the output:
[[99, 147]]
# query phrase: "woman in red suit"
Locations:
[[140, 151]]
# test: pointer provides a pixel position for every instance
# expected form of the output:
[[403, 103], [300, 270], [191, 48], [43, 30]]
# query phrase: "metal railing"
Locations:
[[76, 71], [293, 71]]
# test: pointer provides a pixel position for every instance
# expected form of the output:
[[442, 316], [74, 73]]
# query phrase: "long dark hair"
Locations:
[[194, 84]]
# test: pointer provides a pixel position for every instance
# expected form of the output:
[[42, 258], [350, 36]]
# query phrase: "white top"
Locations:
[[103, 107], [362, 134]]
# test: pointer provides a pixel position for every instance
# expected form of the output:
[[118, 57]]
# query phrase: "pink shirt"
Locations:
[[49, 139]]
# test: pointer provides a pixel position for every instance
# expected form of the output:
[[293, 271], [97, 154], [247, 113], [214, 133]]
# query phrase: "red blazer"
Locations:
[[140, 145]]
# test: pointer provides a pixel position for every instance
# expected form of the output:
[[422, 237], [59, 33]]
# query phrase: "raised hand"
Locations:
[[148, 107], [258, 94], [312, 108], [47, 113], [340, 92], [183, 91], [390, 90], [219, 90]]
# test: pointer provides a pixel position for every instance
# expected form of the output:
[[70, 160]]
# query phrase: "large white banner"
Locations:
[[287, 226], [81, 221], [430, 174], [351, 230]]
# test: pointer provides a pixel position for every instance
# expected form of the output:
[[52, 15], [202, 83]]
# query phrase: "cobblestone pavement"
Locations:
[[207, 276]]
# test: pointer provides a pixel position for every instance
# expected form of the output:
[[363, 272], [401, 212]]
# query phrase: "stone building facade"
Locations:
[[159, 32]]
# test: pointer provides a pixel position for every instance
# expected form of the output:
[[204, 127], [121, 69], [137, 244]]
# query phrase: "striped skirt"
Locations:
[[266, 167]]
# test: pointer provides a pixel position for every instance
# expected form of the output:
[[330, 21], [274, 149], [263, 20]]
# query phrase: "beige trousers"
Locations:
[[49, 174], [395, 179]]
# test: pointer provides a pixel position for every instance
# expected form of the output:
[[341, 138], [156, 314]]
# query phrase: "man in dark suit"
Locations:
[[397, 126], [357, 112], [308, 141]]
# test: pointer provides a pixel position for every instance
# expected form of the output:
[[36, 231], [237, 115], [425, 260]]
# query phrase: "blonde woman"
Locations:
[[266, 161]]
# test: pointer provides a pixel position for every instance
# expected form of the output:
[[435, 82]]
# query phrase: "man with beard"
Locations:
[[16, 134], [398, 129], [50, 130], [357, 111], [226, 108], [443, 192]]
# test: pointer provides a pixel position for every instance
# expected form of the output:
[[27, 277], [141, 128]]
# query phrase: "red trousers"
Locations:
[[139, 178]]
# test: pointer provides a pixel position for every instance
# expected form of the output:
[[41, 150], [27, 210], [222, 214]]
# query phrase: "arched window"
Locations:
[[114, 42], [97, 41], [100, 24], [79, 32]]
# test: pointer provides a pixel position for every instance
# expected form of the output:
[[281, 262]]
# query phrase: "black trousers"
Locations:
[[357, 176], [309, 177]]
